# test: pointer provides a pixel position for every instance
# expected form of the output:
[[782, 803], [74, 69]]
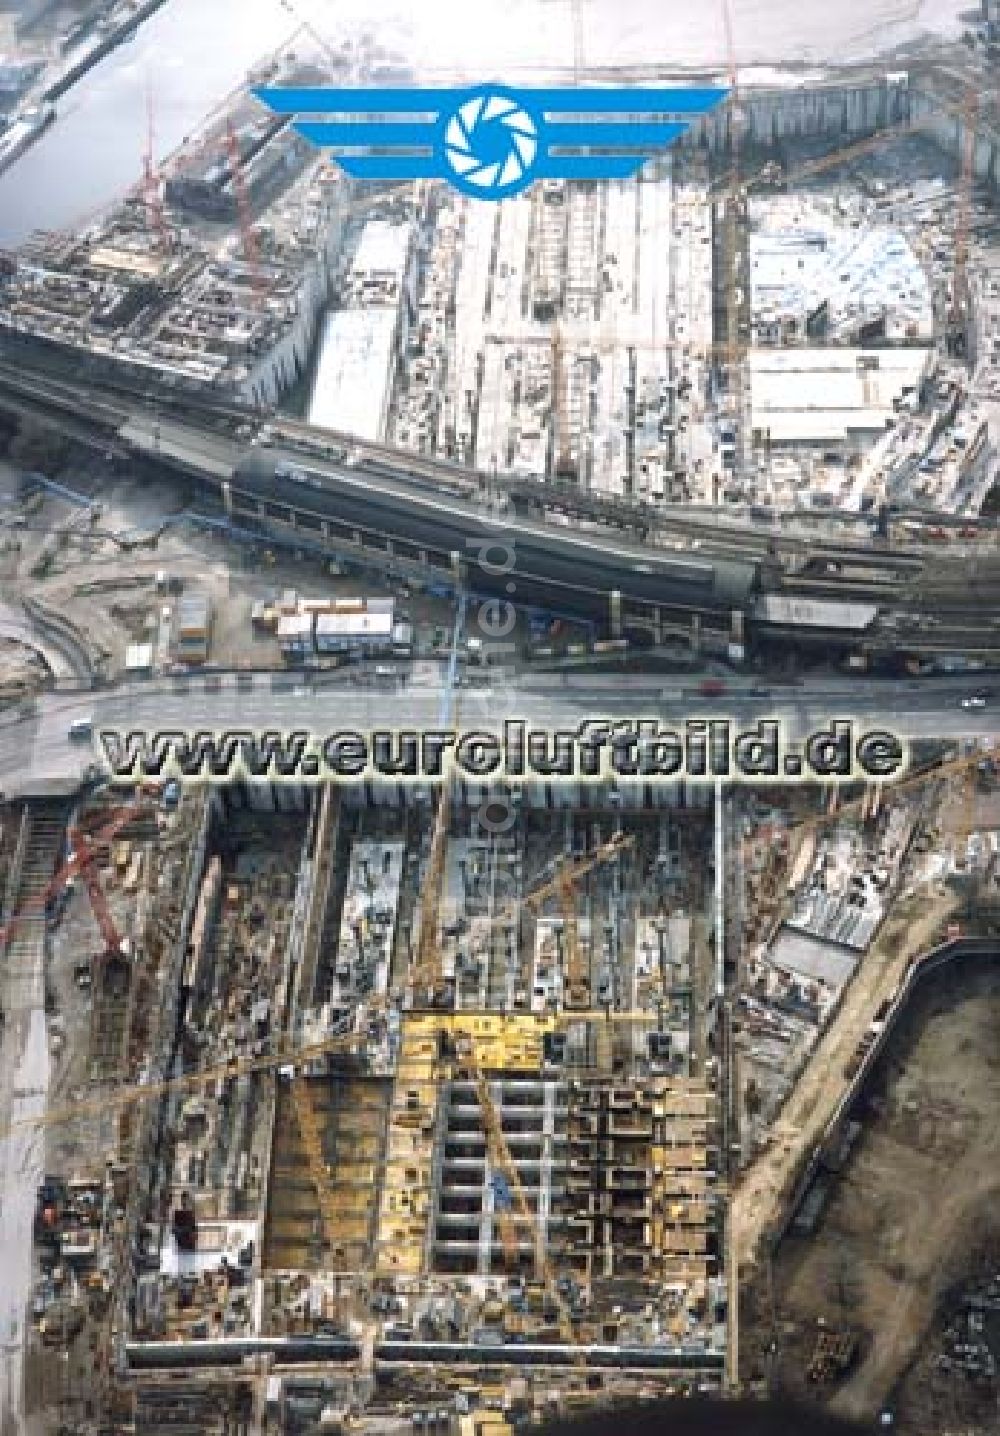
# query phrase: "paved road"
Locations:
[[37, 754]]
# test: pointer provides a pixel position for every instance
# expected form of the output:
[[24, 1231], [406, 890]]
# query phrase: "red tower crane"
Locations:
[[151, 181], [84, 850]]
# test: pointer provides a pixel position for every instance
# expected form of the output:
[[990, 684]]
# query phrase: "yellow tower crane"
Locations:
[[312, 1145], [349, 1044], [576, 980], [428, 951], [502, 1163]]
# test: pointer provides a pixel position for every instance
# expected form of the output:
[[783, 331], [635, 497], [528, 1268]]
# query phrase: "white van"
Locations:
[[81, 728]]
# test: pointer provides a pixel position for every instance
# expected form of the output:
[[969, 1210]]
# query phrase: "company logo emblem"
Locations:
[[490, 144], [491, 141]]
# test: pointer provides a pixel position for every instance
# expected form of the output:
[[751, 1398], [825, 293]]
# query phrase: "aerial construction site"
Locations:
[[377, 1095], [387, 1106], [769, 360], [382, 1101]]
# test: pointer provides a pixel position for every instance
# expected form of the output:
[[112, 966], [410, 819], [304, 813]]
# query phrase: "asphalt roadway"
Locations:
[[37, 754]]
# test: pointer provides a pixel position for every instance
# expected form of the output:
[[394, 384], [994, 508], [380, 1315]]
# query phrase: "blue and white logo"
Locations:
[[490, 144], [491, 141]]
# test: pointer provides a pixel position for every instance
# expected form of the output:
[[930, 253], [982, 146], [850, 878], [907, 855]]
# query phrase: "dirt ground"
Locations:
[[764, 1185], [81, 1146], [933, 1396], [910, 1213], [112, 597]]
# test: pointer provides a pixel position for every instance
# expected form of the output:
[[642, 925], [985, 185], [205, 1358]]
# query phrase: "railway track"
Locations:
[[115, 405], [420, 511]]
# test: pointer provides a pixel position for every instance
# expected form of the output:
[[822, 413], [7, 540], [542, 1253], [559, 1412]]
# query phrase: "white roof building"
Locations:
[[831, 395], [346, 627], [351, 389], [352, 386], [382, 252]]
